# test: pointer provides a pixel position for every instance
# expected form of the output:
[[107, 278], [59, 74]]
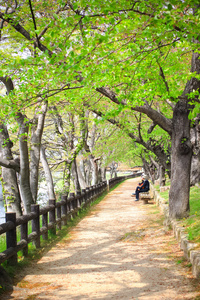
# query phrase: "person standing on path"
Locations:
[[143, 187]]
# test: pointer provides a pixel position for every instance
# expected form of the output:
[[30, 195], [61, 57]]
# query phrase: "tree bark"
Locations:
[[35, 151], [81, 177], [181, 163], [195, 140], [10, 185], [94, 166], [162, 179], [182, 147], [153, 169], [25, 189], [75, 176], [67, 176], [48, 174], [149, 168]]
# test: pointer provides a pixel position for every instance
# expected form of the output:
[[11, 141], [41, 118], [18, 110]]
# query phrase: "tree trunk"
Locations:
[[35, 151], [195, 140], [154, 169], [81, 177], [182, 147], [94, 170], [181, 162], [10, 186], [25, 189], [75, 177], [149, 169], [162, 179], [48, 174], [195, 169], [103, 173], [67, 172], [88, 173]]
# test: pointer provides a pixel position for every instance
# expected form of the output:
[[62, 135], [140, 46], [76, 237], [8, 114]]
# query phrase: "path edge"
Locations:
[[191, 254]]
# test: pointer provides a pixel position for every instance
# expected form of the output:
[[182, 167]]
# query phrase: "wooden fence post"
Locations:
[[45, 224], [84, 195], [108, 185], [58, 210], [11, 237], [52, 215], [72, 202], [78, 195], [24, 236], [36, 223], [64, 209], [87, 194]]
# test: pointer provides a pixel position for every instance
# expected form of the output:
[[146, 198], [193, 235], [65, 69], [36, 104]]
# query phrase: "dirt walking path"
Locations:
[[117, 252]]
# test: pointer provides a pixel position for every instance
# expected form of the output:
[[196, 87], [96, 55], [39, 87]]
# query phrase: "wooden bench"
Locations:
[[145, 197]]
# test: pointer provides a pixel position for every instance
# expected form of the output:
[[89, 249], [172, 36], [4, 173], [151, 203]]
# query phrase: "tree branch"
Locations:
[[24, 32], [163, 122], [34, 22], [10, 164]]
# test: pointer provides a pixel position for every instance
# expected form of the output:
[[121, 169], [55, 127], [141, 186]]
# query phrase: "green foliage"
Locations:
[[116, 45], [142, 52]]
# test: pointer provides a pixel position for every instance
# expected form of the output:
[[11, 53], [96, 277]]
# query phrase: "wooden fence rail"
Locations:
[[53, 215]]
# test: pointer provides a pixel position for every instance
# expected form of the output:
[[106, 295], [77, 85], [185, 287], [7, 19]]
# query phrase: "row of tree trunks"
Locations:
[[27, 195]]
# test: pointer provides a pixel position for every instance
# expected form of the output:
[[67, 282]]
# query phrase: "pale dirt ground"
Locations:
[[98, 262]]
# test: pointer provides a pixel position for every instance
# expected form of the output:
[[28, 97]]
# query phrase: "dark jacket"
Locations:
[[145, 185]]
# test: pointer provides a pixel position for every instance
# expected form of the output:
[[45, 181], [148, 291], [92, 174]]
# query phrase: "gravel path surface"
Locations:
[[117, 252]]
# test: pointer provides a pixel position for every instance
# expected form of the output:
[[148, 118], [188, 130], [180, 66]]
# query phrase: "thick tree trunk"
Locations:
[[35, 151], [48, 175], [182, 148], [181, 162], [10, 186]]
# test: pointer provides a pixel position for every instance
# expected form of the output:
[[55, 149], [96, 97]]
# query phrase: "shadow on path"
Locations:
[[99, 261]]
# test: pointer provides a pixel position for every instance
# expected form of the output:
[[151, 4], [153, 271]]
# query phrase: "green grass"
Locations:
[[191, 224], [157, 187], [168, 182], [3, 236], [165, 195]]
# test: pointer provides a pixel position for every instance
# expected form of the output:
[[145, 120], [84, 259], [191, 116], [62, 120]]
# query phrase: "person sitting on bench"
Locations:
[[141, 188]]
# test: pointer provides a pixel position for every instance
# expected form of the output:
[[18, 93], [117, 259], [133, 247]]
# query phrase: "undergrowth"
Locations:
[[192, 223]]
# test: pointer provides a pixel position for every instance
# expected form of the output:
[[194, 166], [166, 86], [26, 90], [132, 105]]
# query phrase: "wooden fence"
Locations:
[[53, 217]]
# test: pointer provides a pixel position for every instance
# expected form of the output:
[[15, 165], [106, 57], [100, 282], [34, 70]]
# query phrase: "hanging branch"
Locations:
[[34, 22], [1, 27]]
